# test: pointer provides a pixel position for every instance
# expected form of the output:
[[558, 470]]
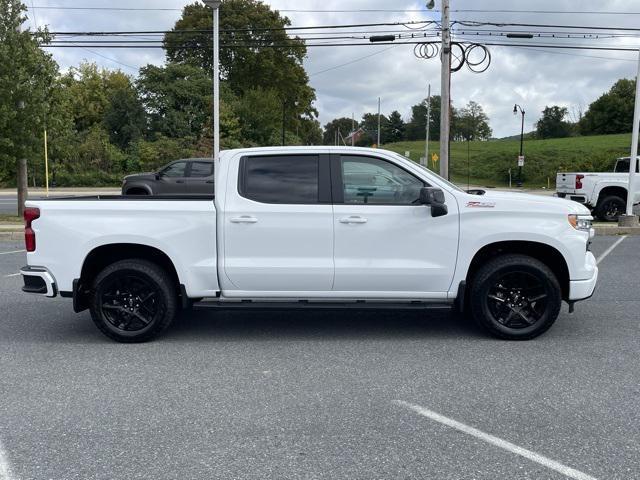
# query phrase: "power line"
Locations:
[[473, 23], [254, 45], [358, 10], [425, 24], [351, 62]]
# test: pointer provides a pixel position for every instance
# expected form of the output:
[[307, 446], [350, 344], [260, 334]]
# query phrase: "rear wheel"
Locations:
[[610, 208], [515, 297], [133, 301]]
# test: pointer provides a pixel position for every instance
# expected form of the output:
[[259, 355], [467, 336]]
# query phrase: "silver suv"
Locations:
[[186, 176]]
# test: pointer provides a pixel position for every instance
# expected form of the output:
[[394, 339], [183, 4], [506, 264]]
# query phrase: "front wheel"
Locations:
[[133, 301], [515, 297]]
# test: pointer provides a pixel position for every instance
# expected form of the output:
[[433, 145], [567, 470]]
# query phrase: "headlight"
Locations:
[[580, 222]]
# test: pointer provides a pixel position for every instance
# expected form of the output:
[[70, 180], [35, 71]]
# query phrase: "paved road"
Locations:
[[293, 395], [9, 200]]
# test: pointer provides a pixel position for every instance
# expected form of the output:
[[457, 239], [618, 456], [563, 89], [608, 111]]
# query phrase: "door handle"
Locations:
[[353, 219], [179, 181], [244, 219]]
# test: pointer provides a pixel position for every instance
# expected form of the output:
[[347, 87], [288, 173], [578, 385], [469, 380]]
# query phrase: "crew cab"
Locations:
[[605, 193], [186, 176], [313, 227]]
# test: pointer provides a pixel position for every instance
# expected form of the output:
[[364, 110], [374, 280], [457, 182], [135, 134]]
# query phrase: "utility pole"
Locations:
[[630, 219], [426, 147], [378, 122], [353, 129], [445, 91], [521, 157], [284, 116]]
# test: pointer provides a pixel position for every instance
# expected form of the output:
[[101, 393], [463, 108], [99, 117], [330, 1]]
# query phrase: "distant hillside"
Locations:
[[490, 161]]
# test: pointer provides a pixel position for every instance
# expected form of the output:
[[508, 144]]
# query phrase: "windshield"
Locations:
[[431, 172]]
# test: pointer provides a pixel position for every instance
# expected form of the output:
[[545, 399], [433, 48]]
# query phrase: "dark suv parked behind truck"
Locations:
[[187, 176]]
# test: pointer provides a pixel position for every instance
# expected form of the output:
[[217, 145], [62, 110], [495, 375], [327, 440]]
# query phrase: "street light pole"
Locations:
[[517, 107], [215, 6], [629, 219]]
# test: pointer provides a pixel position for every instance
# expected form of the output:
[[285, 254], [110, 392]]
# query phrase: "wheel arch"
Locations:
[[137, 187], [618, 191], [105, 255], [543, 252]]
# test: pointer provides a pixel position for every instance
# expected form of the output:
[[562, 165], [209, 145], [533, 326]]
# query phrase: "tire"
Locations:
[[610, 208], [515, 297], [133, 301], [137, 191]]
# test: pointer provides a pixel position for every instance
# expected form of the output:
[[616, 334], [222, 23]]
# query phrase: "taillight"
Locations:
[[579, 181], [30, 214]]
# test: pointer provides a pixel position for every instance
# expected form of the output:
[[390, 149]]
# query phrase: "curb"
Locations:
[[616, 230], [11, 235]]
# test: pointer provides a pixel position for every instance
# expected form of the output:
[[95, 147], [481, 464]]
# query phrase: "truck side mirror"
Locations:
[[434, 197], [158, 175]]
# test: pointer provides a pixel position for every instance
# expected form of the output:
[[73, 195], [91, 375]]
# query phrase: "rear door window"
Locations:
[[201, 169], [286, 179]]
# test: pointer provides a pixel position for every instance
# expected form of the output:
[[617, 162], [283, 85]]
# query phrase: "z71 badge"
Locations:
[[481, 204]]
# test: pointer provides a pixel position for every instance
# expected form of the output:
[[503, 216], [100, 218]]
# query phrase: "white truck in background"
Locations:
[[605, 193], [313, 227]]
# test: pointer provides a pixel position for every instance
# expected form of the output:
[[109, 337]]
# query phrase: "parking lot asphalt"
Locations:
[[306, 395]]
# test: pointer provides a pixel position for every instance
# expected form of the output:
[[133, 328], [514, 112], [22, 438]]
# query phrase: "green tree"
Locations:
[[253, 63], [342, 125], [470, 123], [177, 98], [417, 126], [369, 124], [612, 112], [552, 123], [26, 76], [125, 118], [395, 129], [90, 91]]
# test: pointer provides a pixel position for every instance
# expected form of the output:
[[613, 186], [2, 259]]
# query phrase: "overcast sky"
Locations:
[[531, 78]]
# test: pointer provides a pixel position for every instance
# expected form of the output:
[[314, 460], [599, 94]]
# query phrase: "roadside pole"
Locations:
[[445, 86], [353, 129], [630, 219], [216, 83], [215, 5], [378, 122], [426, 147], [46, 164]]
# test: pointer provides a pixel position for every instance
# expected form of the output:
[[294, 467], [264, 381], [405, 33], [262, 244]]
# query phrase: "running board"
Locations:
[[307, 305]]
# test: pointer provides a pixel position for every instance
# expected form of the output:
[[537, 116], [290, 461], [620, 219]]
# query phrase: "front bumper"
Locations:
[[38, 280], [583, 289]]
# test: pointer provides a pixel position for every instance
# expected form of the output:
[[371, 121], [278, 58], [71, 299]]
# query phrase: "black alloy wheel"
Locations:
[[130, 301], [133, 300], [515, 297], [517, 300]]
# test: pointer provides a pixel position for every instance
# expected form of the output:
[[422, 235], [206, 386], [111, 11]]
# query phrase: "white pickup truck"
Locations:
[[313, 227], [605, 193]]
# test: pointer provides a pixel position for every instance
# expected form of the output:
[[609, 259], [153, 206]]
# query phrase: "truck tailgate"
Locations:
[[566, 183]]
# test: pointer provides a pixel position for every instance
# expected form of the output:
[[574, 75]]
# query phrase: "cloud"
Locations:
[[531, 78]]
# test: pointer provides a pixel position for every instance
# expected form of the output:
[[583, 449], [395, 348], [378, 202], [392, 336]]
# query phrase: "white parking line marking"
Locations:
[[12, 275], [498, 442], [10, 253], [610, 249], [5, 470]]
